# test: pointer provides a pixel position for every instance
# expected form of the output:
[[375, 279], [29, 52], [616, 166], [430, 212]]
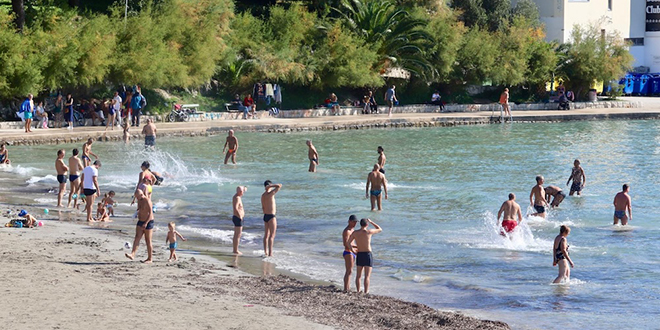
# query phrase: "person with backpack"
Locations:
[[138, 102], [27, 110]]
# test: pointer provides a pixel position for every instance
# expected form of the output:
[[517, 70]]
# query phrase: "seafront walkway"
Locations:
[[649, 110]]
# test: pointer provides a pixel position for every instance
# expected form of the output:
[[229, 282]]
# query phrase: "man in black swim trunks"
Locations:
[[538, 193], [362, 238], [144, 227], [270, 209], [237, 217], [381, 159], [556, 193], [61, 169], [90, 186]]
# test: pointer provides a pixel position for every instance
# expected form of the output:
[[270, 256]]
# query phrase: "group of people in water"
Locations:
[[539, 199]]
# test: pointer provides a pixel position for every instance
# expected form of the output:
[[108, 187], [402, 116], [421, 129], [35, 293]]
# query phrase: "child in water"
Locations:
[[110, 202], [102, 213], [127, 136], [171, 238], [560, 255]]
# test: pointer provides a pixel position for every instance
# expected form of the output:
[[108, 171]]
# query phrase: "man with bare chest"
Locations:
[[538, 194], [511, 211], [231, 145], [377, 182]]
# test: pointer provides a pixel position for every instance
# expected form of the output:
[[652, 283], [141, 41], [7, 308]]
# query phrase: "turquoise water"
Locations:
[[440, 243]]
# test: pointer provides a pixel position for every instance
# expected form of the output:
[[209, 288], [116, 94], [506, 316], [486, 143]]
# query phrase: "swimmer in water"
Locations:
[[378, 183], [578, 177], [622, 203], [511, 211], [560, 255], [556, 193], [231, 145], [313, 156], [538, 193]]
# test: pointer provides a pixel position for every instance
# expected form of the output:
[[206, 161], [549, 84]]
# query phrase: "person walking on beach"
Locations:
[[69, 110], [364, 260], [313, 156], [390, 98], [75, 166], [149, 131], [538, 193], [622, 203], [61, 170], [561, 257], [91, 186], [171, 239], [27, 108], [578, 177], [381, 159], [349, 251], [113, 111], [270, 209], [377, 182], [237, 217], [511, 211], [231, 145], [556, 193], [4, 154], [144, 226], [504, 102], [87, 151]]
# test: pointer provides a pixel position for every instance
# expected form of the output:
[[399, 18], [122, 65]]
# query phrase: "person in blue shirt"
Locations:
[[137, 103], [27, 109]]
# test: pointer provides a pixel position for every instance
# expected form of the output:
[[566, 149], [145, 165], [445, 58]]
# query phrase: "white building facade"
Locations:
[[637, 21]]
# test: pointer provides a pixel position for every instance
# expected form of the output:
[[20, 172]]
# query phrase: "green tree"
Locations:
[[20, 72], [447, 33], [399, 38], [591, 57], [477, 56], [528, 10]]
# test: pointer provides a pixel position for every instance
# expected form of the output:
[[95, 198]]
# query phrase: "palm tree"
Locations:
[[398, 37]]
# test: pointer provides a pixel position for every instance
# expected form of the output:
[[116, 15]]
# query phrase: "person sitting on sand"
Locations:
[[231, 145], [556, 193], [538, 193], [237, 217], [560, 255], [578, 177], [269, 208], [4, 154], [171, 239], [102, 213], [144, 226], [377, 181], [313, 156], [622, 203], [349, 251], [364, 260], [511, 211], [61, 170], [30, 221]]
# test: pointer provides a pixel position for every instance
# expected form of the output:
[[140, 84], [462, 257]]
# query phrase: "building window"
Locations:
[[609, 5], [635, 41]]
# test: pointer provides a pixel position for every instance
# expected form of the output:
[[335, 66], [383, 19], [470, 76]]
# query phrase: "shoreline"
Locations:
[[326, 123], [86, 277]]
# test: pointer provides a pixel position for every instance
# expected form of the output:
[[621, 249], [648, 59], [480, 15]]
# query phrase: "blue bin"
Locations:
[[641, 85], [628, 84], [654, 85]]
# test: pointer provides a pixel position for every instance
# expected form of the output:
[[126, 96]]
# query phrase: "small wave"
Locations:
[[20, 170], [225, 236], [360, 186], [50, 179], [306, 265], [572, 281], [406, 275]]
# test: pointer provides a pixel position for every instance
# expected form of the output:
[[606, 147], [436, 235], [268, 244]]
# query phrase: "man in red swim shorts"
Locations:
[[511, 210]]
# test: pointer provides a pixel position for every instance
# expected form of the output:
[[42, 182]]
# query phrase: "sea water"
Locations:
[[440, 243]]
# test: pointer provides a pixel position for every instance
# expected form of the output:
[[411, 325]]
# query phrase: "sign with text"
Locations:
[[652, 15]]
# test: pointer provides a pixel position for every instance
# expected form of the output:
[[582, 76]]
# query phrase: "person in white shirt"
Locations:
[[90, 186], [114, 111]]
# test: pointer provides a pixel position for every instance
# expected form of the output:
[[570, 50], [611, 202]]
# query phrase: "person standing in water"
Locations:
[[237, 217], [75, 166], [511, 211], [381, 159], [578, 177], [270, 209], [349, 251], [313, 156], [377, 182], [61, 170], [622, 203], [560, 255], [231, 145], [365, 260], [556, 193], [538, 193], [149, 131], [87, 151]]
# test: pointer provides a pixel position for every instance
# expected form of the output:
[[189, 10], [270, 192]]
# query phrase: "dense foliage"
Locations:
[[226, 46]]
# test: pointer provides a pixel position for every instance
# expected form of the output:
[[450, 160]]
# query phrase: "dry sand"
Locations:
[[68, 275]]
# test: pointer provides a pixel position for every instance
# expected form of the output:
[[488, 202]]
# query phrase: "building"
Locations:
[[637, 21]]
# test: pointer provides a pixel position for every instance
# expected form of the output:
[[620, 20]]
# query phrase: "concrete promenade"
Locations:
[[650, 110]]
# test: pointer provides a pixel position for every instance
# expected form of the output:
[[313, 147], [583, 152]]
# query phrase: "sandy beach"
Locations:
[[70, 275]]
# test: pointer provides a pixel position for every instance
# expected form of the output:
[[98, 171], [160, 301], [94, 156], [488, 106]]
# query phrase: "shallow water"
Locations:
[[440, 243]]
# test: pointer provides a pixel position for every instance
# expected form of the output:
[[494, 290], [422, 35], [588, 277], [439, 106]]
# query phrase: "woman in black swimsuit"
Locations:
[[561, 257]]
